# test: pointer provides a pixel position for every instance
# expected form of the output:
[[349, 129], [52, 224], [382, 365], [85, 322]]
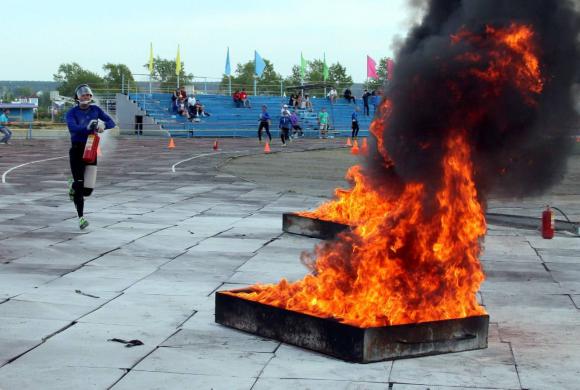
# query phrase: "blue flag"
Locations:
[[259, 64], [228, 70]]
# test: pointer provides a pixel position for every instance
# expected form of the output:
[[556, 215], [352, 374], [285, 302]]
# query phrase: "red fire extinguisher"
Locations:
[[91, 148], [548, 223]]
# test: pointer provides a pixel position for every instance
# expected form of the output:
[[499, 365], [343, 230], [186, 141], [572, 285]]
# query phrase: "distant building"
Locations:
[[20, 112]]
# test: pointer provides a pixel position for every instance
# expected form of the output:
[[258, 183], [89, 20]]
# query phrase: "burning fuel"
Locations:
[[480, 101]]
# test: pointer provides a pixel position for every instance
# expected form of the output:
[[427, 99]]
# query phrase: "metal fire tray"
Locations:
[[311, 227], [347, 342]]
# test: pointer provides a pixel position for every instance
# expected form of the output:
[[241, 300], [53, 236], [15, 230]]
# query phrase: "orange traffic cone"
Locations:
[[99, 153], [171, 143], [215, 145], [267, 147], [348, 143], [354, 149]]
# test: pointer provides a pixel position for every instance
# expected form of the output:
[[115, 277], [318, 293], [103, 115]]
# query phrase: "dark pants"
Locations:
[[266, 126], [284, 134], [7, 134], [355, 129], [366, 109], [350, 98], [297, 129], [77, 167]]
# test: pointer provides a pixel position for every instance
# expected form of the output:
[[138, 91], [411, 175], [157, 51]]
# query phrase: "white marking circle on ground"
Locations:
[[28, 163]]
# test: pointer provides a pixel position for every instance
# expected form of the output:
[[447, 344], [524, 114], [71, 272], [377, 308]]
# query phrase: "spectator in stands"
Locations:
[[182, 107], [323, 122], [191, 101], [237, 100], [354, 125], [199, 111], [298, 101], [244, 98], [365, 98], [332, 95], [292, 100], [174, 98], [3, 129], [307, 103], [284, 109], [182, 93], [376, 99], [285, 125], [348, 96], [296, 129], [264, 123]]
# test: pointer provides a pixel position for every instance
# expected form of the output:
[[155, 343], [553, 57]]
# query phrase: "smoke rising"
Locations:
[[519, 140]]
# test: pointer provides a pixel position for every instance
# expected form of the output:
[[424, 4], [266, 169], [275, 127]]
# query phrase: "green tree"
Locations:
[[164, 73], [22, 92], [115, 75], [372, 84], [267, 84], [337, 76], [71, 75]]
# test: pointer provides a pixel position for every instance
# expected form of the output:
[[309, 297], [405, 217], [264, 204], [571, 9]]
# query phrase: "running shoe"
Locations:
[[83, 223]]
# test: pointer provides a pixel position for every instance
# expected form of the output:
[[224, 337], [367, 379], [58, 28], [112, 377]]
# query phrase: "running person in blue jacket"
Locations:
[[285, 125], [84, 119], [264, 123]]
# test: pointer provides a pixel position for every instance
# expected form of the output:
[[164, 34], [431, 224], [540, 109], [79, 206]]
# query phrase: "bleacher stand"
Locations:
[[228, 121]]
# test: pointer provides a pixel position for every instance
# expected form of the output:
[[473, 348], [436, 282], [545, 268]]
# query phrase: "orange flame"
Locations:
[[408, 258]]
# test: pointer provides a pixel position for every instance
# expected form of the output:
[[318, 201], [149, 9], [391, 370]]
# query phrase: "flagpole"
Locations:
[[177, 81], [230, 84], [149, 83], [255, 86]]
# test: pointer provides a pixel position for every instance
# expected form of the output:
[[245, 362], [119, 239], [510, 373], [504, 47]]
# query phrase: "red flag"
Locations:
[[372, 69], [390, 66]]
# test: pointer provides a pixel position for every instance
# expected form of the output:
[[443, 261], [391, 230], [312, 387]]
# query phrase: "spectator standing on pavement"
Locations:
[[264, 123], [354, 125], [365, 98], [296, 129], [285, 125], [323, 122], [3, 128]]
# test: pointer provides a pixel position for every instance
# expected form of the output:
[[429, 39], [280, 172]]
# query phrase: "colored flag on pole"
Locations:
[[302, 66], [372, 69], [390, 67], [151, 58], [228, 71], [324, 69], [259, 64], [178, 63]]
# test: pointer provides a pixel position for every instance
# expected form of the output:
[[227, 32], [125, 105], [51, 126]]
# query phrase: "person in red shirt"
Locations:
[[244, 98], [237, 99]]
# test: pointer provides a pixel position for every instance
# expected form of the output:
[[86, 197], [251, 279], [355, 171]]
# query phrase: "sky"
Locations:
[[39, 36]]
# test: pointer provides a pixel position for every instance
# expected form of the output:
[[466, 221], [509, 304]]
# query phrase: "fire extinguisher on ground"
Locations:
[[548, 223]]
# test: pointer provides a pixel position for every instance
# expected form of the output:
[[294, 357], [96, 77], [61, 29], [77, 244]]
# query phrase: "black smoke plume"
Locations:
[[517, 147]]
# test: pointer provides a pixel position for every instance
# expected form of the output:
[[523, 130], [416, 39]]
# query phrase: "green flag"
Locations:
[[324, 69], [302, 66]]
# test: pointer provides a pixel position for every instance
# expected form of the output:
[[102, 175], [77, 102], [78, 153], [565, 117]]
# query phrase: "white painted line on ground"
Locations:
[[28, 163], [204, 155]]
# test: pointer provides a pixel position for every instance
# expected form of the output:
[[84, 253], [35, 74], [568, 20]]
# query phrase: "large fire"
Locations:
[[412, 255]]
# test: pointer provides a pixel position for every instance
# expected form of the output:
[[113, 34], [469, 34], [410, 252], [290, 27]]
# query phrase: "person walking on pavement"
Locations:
[[323, 122], [264, 123], [3, 129], [82, 120], [354, 125], [285, 125]]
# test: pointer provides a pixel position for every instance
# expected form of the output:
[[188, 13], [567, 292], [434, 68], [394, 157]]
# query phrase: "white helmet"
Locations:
[[81, 90]]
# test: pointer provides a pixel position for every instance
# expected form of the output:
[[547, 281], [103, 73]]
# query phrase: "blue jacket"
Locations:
[[78, 120], [285, 122], [354, 117], [264, 117]]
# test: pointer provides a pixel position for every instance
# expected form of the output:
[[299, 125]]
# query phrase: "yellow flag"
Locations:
[[151, 58], [178, 63]]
